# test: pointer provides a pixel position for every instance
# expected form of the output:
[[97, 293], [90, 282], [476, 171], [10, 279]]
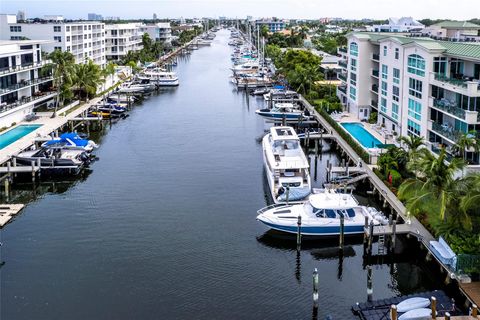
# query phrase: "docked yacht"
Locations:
[[55, 159], [280, 94], [321, 215], [286, 166], [160, 77], [283, 111]]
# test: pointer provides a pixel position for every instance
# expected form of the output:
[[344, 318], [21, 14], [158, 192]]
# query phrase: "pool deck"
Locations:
[[49, 125]]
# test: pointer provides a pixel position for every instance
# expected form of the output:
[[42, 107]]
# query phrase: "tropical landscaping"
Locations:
[[440, 193]]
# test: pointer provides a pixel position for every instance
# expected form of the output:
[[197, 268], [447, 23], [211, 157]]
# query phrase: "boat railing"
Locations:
[[275, 205]]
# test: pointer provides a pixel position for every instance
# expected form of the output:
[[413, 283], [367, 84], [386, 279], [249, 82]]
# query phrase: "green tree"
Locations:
[[87, 77], [413, 144], [63, 66], [465, 142]]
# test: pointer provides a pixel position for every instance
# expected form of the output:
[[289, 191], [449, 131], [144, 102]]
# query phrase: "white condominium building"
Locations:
[[85, 40], [161, 31], [418, 86], [122, 38], [23, 86]]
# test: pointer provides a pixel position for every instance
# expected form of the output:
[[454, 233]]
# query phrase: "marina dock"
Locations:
[[8, 211]]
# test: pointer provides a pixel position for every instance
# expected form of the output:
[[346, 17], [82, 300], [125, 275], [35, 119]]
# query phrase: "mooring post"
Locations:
[[390, 219], [315, 288], [316, 147], [7, 189], [39, 165], [287, 194], [33, 170], [342, 231], [447, 315], [433, 305], [299, 233], [474, 310], [394, 233], [370, 237], [365, 230], [393, 312], [308, 139], [328, 176], [369, 284]]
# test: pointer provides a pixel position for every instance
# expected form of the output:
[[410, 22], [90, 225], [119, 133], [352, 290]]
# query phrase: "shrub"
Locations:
[[373, 118], [395, 178]]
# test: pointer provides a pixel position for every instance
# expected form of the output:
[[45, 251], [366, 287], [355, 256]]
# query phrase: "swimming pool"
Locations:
[[363, 136], [16, 133]]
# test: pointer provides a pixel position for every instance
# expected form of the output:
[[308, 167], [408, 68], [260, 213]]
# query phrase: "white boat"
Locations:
[[130, 88], [320, 215], [417, 314], [286, 165], [121, 98], [413, 303], [282, 111], [160, 77], [276, 94]]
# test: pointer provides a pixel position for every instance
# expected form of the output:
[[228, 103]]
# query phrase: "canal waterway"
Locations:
[[163, 226]]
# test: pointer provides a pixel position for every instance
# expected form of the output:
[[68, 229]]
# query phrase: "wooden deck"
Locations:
[[472, 291], [8, 211]]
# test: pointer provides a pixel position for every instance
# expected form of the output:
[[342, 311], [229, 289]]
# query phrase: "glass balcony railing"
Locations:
[[24, 83], [454, 81], [374, 88], [25, 66], [343, 89], [343, 64], [376, 57], [40, 95], [343, 49], [374, 103], [449, 107], [446, 130], [342, 76], [375, 73]]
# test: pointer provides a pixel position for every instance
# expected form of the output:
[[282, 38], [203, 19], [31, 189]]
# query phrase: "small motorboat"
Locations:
[[413, 303], [417, 314], [280, 111], [55, 158], [260, 91], [71, 140], [321, 215]]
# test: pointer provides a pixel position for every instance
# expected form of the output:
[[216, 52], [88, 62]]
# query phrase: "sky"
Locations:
[[294, 9]]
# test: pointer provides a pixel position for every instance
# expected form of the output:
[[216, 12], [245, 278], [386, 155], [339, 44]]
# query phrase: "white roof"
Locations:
[[283, 133], [333, 201]]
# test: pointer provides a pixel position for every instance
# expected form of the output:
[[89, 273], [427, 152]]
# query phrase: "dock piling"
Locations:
[[447, 315], [370, 237], [393, 312], [474, 310], [342, 231], [433, 306], [299, 233], [369, 284], [394, 234], [315, 288]]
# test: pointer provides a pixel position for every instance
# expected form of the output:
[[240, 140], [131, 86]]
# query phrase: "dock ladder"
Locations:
[[381, 244]]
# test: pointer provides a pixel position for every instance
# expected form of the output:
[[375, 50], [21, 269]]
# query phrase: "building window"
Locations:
[[57, 29], [383, 105], [84, 27], [67, 28], [440, 65], [15, 28], [384, 51], [397, 53], [384, 71], [416, 65], [414, 109], [84, 36], [413, 128], [68, 48], [384, 88], [396, 93], [395, 111], [57, 48], [396, 75], [68, 38], [354, 49], [353, 93], [89, 27], [57, 38], [353, 79], [353, 64], [415, 88]]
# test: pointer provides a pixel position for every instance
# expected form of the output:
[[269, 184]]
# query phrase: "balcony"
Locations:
[[446, 131], [343, 89], [24, 67], [464, 85], [452, 109], [375, 73], [374, 104], [39, 96], [376, 57], [374, 88], [342, 50], [24, 84], [342, 76], [343, 64]]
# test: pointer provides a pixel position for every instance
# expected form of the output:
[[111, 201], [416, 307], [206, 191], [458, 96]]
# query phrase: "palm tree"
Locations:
[[413, 143], [63, 63], [87, 78], [437, 189], [471, 200], [465, 142]]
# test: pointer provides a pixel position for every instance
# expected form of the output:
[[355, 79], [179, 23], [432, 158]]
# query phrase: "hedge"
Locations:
[[362, 153]]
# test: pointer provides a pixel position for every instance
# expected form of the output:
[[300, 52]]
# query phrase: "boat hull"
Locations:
[[316, 230]]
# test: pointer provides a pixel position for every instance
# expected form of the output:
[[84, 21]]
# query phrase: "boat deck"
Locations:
[[472, 291]]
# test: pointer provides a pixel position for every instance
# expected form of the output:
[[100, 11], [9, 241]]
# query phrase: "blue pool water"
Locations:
[[363, 136], [13, 135]]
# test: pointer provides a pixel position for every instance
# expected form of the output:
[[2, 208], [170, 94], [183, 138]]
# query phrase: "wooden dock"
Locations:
[[8, 211], [471, 291]]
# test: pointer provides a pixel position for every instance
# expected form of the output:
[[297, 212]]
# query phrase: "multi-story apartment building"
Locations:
[[23, 84], [122, 38], [418, 86], [161, 31], [273, 25], [85, 40]]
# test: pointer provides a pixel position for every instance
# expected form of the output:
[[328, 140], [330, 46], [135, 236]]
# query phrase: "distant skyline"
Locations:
[[293, 9]]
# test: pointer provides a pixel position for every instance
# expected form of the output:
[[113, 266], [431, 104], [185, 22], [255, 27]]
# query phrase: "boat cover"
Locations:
[[295, 194]]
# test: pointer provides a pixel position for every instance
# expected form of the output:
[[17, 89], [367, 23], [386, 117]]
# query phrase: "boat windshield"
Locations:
[[286, 144], [329, 213]]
